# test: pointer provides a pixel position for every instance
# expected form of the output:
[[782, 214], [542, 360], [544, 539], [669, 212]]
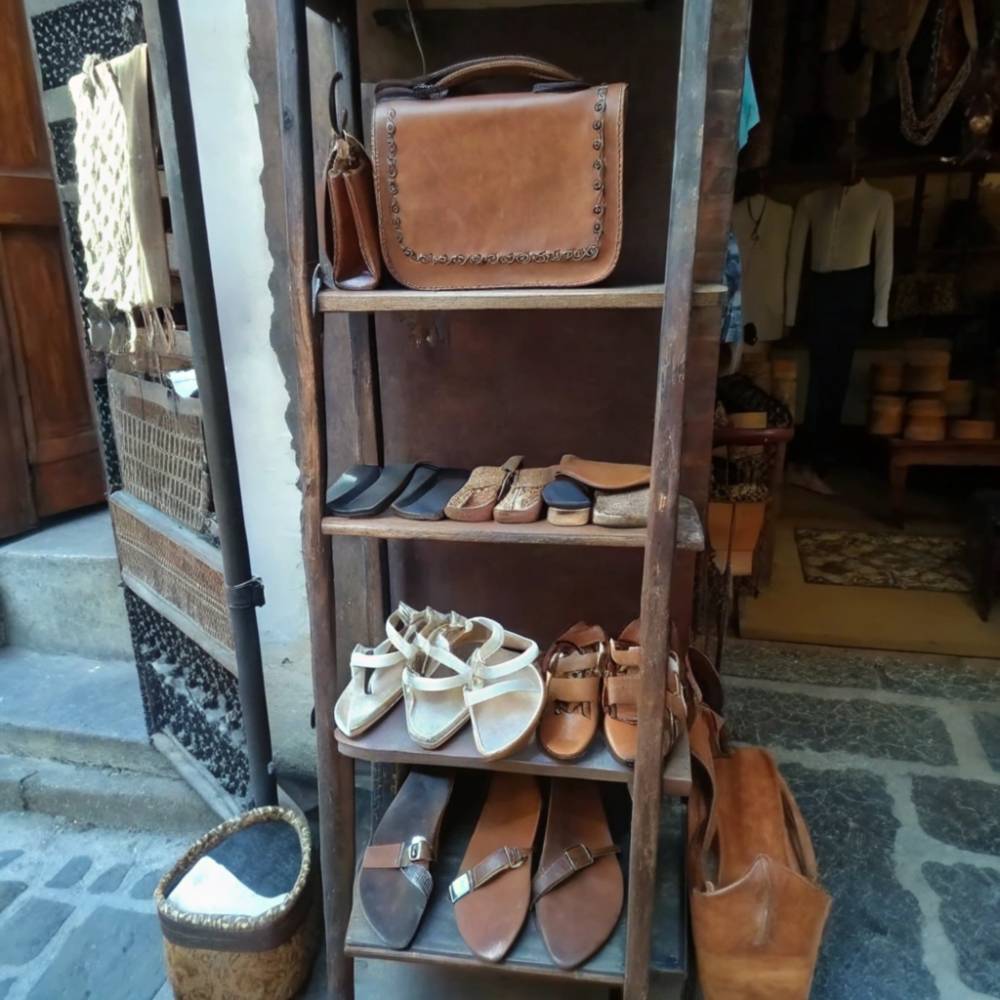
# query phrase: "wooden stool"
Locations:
[[984, 549]]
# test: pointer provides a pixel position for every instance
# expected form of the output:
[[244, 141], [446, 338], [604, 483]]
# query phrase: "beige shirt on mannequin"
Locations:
[[843, 222], [763, 227]]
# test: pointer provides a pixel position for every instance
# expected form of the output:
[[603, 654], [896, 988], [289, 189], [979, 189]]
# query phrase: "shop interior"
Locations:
[[867, 216]]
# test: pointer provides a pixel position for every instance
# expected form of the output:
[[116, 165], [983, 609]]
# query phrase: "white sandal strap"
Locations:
[[366, 658], [418, 682], [475, 696]]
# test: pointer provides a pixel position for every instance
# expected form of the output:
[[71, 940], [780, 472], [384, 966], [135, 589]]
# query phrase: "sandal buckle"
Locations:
[[515, 857], [579, 857], [460, 887], [418, 849]]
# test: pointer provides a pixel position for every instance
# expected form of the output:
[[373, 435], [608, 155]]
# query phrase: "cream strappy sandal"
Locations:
[[376, 672]]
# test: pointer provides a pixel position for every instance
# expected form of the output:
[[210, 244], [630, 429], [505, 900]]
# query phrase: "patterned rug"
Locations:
[[896, 561]]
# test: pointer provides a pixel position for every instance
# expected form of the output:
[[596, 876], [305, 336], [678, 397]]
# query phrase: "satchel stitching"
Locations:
[[588, 252]]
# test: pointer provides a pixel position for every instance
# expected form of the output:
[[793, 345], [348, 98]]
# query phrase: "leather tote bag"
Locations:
[[498, 190], [757, 908]]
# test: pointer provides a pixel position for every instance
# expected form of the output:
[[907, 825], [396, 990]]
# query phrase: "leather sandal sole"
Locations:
[[392, 902]]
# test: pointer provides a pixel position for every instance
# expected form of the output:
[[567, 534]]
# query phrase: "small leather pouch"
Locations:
[[351, 258], [499, 190]]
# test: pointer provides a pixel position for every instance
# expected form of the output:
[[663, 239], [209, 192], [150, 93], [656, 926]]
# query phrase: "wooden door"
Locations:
[[49, 457]]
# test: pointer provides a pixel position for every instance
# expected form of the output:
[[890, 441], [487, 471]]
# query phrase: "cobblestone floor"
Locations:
[[895, 761]]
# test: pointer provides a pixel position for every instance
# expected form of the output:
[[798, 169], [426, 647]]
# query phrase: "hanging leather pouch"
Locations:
[[351, 258], [498, 190]]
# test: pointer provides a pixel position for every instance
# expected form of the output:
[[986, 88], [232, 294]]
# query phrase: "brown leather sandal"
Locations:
[[493, 892], [395, 882], [573, 667], [578, 890], [621, 698], [486, 486]]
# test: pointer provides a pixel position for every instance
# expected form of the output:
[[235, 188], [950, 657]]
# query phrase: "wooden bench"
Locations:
[[904, 454]]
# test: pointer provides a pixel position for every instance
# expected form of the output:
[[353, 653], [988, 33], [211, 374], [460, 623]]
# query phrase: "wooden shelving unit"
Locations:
[[344, 362], [690, 535]]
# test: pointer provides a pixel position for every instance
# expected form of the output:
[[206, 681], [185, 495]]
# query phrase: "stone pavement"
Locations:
[[895, 762]]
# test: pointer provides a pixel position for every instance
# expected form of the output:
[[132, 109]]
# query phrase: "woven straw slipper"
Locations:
[[486, 486], [523, 502], [376, 672]]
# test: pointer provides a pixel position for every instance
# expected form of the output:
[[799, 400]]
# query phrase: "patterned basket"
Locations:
[[184, 571], [161, 449], [268, 957]]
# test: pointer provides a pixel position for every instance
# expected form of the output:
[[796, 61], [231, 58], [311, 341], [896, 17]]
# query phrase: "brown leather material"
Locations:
[[490, 917], [352, 258], [486, 486], [757, 908], [394, 882], [579, 888], [508, 190], [604, 475], [573, 668], [620, 697]]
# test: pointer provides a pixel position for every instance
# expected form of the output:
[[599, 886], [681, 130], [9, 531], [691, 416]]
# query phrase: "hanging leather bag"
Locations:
[[498, 190], [757, 908], [349, 230]]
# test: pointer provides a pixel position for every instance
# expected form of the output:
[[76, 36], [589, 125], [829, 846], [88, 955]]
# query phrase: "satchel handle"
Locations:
[[440, 82]]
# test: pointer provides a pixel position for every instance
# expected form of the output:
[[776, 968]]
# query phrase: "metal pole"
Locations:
[[244, 592]]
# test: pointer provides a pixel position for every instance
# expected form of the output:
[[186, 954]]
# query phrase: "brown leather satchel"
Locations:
[[349, 239], [499, 190], [757, 908]]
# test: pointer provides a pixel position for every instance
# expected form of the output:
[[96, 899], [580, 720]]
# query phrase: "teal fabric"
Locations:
[[749, 110]]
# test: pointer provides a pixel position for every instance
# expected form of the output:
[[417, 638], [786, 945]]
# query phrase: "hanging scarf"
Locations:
[[120, 215]]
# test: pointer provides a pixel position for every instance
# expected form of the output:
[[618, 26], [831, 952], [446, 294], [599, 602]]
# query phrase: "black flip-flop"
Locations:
[[429, 491], [367, 490]]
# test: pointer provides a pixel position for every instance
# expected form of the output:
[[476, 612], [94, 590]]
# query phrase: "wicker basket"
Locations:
[[184, 572], [268, 957], [161, 449]]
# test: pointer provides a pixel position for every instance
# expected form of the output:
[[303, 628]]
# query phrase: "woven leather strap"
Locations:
[[399, 855], [573, 859], [501, 860]]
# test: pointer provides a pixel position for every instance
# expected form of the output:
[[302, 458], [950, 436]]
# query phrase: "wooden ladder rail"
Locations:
[[685, 186]]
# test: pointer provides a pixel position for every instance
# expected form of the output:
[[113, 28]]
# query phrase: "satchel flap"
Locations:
[[501, 178]]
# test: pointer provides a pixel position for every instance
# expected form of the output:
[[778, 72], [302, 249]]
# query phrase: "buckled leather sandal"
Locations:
[[434, 685], [505, 693], [492, 894], [394, 883], [376, 682], [486, 486], [579, 889], [523, 502], [573, 668], [620, 697]]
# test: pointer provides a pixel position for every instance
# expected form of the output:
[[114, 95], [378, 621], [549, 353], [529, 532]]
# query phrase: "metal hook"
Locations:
[[334, 117]]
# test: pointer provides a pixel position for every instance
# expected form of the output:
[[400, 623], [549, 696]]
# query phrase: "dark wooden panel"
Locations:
[[22, 139], [62, 442], [28, 200], [17, 507]]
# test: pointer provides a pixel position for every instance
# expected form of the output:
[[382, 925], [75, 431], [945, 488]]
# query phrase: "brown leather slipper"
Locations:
[[604, 475], [579, 888], [395, 882], [573, 668], [493, 892]]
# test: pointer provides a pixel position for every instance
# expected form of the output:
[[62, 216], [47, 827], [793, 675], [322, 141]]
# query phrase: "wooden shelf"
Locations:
[[438, 940], [389, 743], [596, 297], [690, 535]]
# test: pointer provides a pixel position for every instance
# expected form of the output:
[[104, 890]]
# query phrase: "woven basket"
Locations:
[[161, 449], [187, 576], [268, 957]]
